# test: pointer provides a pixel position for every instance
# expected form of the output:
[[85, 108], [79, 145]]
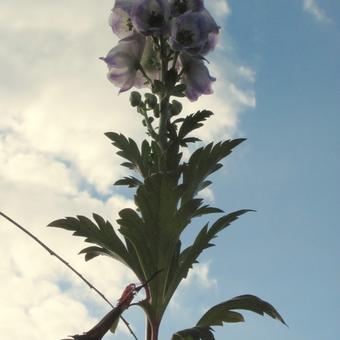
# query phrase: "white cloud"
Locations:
[[207, 194], [312, 7], [199, 276], [55, 105], [218, 8]]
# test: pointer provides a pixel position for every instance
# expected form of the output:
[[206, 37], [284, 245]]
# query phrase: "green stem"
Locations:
[[163, 122], [164, 98], [149, 126]]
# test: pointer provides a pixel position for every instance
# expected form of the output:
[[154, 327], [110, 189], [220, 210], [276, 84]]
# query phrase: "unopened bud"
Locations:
[[135, 99], [156, 112], [151, 100], [176, 107]]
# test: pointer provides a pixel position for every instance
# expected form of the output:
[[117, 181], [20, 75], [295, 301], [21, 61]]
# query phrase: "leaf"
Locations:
[[220, 313], [202, 163], [131, 182], [194, 333], [191, 123], [189, 256], [154, 229], [179, 90], [102, 234], [92, 252], [129, 150], [206, 209]]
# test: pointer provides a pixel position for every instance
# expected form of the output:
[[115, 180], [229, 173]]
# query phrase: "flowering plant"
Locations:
[[163, 47]]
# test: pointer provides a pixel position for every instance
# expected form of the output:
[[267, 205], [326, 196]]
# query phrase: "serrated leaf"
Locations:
[[206, 209], [193, 122], [179, 90], [129, 150], [219, 313], [186, 141], [102, 234], [93, 251], [131, 182], [202, 163], [189, 256], [194, 333]]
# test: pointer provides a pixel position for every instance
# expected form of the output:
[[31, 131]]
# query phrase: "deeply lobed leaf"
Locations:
[[202, 163], [194, 333], [221, 312], [102, 234], [188, 257]]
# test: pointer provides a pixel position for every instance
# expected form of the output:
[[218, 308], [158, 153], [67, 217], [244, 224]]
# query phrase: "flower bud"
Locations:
[[176, 107], [135, 99], [156, 112], [151, 100]]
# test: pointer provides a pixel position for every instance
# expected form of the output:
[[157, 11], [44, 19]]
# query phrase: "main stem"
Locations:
[[164, 98], [152, 328]]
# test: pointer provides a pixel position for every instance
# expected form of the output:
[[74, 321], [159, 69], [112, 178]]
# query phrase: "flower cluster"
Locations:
[[159, 35]]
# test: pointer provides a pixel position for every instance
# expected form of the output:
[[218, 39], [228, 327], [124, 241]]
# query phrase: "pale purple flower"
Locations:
[[123, 62], [194, 32], [196, 77], [120, 18], [179, 7], [210, 44], [151, 17]]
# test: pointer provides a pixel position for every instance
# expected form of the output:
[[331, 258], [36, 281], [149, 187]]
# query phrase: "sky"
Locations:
[[278, 70]]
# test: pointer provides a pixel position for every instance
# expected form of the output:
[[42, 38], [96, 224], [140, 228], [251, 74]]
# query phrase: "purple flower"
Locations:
[[194, 33], [123, 62], [151, 17], [179, 7], [120, 18], [196, 77]]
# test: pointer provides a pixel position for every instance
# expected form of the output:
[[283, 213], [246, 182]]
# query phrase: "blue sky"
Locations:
[[278, 85]]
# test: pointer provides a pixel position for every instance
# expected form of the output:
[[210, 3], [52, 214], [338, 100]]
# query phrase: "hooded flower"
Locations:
[[196, 77], [120, 18], [194, 33], [123, 62], [179, 7], [151, 17]]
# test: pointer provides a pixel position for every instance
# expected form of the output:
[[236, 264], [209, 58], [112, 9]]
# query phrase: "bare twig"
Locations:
[[51, 252]]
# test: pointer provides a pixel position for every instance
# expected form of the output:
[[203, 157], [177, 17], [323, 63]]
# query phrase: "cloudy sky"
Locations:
[[278, 74]]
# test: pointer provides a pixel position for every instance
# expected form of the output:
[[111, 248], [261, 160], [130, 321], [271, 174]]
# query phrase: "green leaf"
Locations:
[[179, 90], [206, 209], [202, 163], [92, 252], [191, 123], [195, 333], [220, 313], [154, 229], [131, 182], [129, 150], [102, 234], [189, 256]]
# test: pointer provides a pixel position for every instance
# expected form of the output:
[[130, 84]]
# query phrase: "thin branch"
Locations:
[[149, 126], [51, 252]]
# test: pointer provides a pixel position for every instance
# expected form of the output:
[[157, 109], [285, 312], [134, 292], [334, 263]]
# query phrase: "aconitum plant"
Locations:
[[163, 48]]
